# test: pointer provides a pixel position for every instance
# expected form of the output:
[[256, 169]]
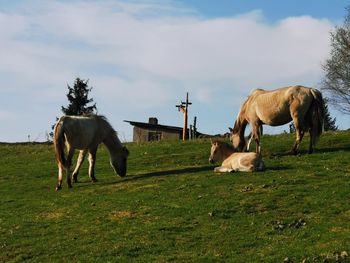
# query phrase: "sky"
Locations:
[[141, 57]]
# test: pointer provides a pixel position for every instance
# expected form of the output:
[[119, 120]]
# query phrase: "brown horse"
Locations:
[[85, 133], [304, 106], [234, 161]]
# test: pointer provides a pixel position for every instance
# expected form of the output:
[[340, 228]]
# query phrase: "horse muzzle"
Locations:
[[211, 160], [122, 173]]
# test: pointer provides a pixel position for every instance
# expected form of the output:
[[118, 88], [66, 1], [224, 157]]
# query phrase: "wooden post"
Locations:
[[194, 127], [184, 130], [183, 107]]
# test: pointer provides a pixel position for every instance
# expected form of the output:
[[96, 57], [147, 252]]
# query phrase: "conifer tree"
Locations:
[[78, 98], [329, 122]]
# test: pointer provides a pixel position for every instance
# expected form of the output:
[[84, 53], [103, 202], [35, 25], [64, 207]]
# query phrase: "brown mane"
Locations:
[[224, 144]]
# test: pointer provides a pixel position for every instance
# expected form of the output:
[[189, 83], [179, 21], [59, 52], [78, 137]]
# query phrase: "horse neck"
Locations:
[[226, 151], [113, 143], [240, 125]]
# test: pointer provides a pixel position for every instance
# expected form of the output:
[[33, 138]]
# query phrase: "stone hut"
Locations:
[[152, 131]]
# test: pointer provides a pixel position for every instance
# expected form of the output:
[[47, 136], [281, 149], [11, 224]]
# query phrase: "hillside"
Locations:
[[172, 207]]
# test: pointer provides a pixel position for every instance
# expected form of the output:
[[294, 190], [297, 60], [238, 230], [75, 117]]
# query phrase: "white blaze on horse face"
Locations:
[[213, 153]]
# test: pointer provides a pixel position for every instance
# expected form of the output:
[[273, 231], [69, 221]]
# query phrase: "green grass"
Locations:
[[172, 207]]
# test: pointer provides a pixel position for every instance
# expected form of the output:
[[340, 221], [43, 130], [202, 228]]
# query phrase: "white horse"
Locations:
[[85, 133], [234, 161]]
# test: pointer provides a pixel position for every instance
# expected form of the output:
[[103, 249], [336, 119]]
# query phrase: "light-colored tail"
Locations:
[[318, 115], [58, 141]]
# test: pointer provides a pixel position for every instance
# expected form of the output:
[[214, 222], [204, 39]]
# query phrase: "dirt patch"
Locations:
[[53, 215], [122, 214]]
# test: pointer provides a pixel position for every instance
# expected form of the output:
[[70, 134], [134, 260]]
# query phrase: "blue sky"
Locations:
[[141, 57], [274, 10]]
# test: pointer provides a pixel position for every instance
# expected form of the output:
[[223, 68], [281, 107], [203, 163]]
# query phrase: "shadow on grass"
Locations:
[[278, 168], [335, 149], [305, 152], [131, 177], [172, 172]]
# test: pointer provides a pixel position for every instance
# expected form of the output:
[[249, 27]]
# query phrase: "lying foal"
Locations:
[[234, 161]]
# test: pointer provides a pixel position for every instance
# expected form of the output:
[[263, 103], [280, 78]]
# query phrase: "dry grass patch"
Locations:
[[53, 215], [116, 215]]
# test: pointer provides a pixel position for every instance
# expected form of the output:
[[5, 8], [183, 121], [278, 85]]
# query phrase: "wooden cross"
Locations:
[[183, 107]]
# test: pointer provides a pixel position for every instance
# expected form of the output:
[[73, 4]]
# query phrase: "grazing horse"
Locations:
[[234, 161], [85, 133], [304, 106]]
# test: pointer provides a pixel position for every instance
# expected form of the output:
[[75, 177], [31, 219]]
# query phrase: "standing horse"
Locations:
[[234, 161], [304, 106], [85, 133]]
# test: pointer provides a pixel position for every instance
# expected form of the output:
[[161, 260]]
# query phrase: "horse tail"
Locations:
[[58, 141], [317, 115]]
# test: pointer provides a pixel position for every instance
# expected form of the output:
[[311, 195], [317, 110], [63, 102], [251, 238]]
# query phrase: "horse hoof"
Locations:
[[58, 187], [294, 152], [94, 180]]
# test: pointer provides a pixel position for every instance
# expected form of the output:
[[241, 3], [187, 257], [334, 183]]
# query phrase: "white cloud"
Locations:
[[7, 116], [152, 53]]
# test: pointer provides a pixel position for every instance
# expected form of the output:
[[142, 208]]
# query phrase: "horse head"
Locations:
[[214, 152], [239, 144], [119, 162]]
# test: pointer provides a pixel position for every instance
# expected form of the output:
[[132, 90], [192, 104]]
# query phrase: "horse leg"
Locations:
[[299, 132], [69, 163], [249, 168], [250, 136], [299, 136], [80, 161], [222, 169], [256, 135], [92, 159], [313, 136], [311, 145], [59, 179]]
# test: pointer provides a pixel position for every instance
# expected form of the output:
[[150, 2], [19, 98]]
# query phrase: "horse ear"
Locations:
[[230, 129], [211, 141]]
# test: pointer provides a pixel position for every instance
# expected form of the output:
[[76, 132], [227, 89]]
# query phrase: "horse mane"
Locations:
[[224, 144], [113, 133], [101, 118], [241, 117], [241, 120]]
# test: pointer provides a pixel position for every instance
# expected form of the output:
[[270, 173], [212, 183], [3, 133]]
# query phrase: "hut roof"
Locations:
[[155, 127]]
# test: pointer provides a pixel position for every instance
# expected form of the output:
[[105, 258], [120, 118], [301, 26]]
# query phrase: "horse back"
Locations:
[[276, 107], [242, 161], [80, 132]]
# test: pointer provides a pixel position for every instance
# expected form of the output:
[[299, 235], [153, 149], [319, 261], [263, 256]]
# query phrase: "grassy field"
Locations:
[[172, 207]]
